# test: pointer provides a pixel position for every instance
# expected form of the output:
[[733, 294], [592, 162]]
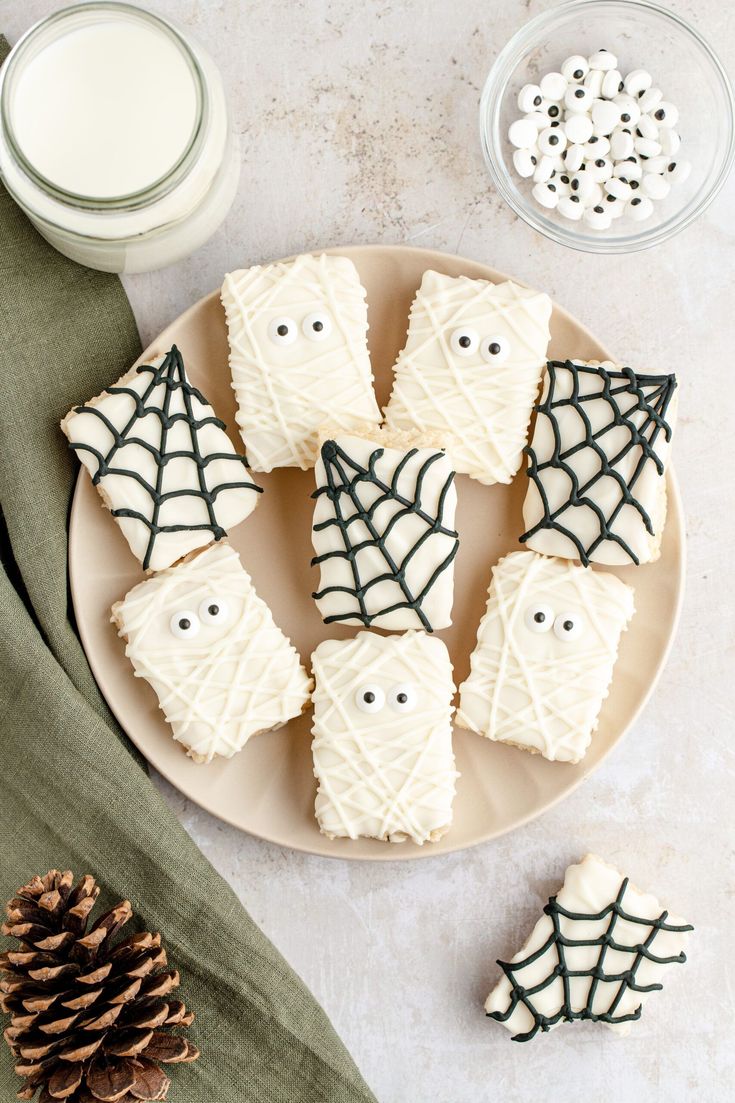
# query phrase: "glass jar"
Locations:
[[160, 220]]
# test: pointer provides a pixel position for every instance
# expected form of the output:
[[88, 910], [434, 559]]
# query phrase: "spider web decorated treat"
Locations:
[[597, 952], [299, 356], [162, 462], [597, 487], [383, 737], [384, 533], [202, 638], [470, 371], [544, 657]]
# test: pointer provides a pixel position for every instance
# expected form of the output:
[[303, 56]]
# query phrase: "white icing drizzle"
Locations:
[[590, 887], [478, 410], [179, 480], [531, 688], [388, 774], [227, 683], [286, 392]]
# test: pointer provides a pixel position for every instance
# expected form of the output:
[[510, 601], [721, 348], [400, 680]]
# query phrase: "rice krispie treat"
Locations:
[[470, 371], [299, 356], [597, 462], [383, 737], [544, 657], [208, 645], [383, 532], [162, 462], [600, 948]]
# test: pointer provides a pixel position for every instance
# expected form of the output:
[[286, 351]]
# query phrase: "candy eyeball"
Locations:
[[316, 326], [575, 68], [184, 625], [666, 114], [403, 697], [522, 134], [637, 82], [538, 618], [553, 86], [464, 341], [568, 626], [552, 141], [495, 350], [214, 611], [603, 60], [529, 98], [370, 698], [283, 331], [578, 98]]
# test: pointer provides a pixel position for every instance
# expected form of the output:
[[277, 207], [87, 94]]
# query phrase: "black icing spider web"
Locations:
[[171, 375], [556, 945], [345, 479], [626, 393]]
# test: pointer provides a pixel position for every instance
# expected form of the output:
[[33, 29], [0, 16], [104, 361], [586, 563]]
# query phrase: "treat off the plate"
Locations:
[[470, 371], [597, 462], [383, 737], [544, 657], [383, 532], [162, 462], [208, 645], [299, 357], [600, 948]]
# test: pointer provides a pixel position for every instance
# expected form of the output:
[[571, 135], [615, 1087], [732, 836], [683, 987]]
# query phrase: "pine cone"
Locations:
[[86, 1013]]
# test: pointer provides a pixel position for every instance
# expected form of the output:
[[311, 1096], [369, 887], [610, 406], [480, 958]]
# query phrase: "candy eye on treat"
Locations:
[[383, 532], [476, 401], [593, 102], [207, 644], [382, 731], [162, 462], [598, 951], [298, 355], [545, 653], [597, 463]]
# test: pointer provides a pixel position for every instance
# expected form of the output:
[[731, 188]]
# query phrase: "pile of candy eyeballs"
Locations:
[[596, 144]]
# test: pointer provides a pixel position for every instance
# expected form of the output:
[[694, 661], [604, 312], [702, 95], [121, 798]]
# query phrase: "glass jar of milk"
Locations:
[[115, 137]]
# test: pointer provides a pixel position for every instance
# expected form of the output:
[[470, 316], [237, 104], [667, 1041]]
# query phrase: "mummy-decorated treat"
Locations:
[[597, 461], [470, 371], [299, 356], [545, 653], [162, 462], [597, 952], [383, 737], [384, 533], [589, 125], [202, 638]]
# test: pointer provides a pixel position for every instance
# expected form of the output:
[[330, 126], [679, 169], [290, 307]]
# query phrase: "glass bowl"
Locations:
[[642, 35]]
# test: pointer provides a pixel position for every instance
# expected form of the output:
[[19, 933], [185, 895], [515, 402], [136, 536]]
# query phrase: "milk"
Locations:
[[115, 137], [106, 109]]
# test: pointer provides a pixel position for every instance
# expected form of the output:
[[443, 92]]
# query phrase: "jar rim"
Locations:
[[151, 192]]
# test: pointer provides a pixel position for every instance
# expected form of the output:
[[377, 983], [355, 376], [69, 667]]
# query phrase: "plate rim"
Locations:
[[390, 852]]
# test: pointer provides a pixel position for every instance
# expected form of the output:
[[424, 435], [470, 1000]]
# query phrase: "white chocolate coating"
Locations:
[[227, 682], [649, 488], [286, 392], [360, 583], [386, 774], [179, 479], [478, 410], [589, 888], [532, 688]]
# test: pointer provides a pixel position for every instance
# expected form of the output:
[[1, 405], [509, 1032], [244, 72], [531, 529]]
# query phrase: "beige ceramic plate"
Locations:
[[268, 789]]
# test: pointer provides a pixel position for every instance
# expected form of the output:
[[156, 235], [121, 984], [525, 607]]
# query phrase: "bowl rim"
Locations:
[[491, 100]]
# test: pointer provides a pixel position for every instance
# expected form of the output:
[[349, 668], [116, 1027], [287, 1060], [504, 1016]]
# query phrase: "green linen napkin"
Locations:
[[72, 792]]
